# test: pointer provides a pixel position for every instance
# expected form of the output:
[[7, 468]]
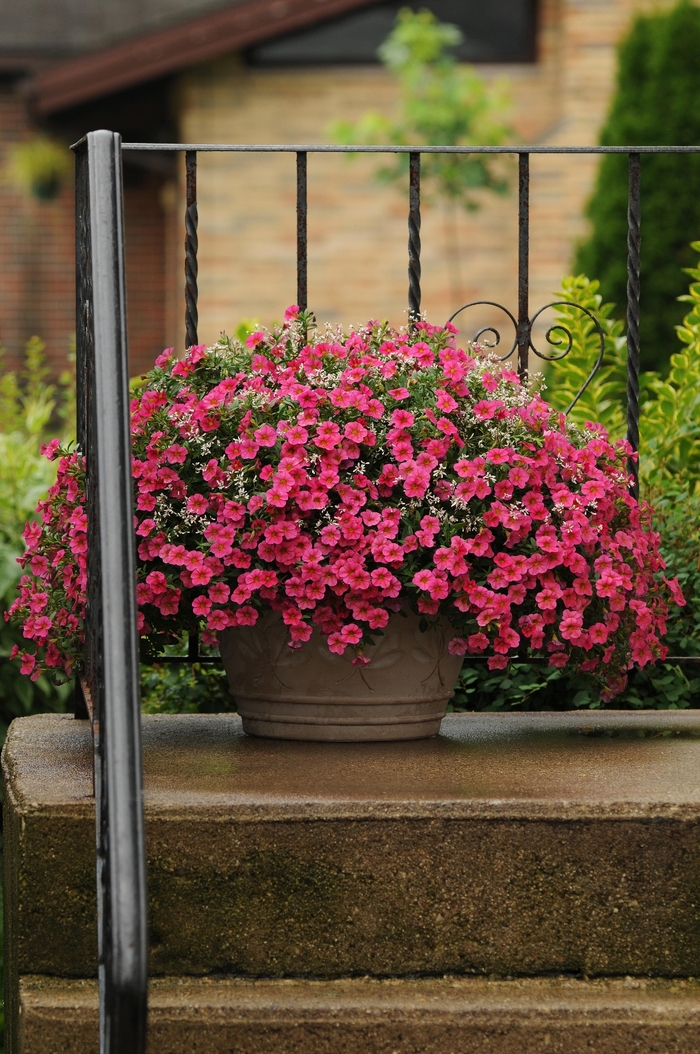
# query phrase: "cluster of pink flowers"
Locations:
[[338, 478]]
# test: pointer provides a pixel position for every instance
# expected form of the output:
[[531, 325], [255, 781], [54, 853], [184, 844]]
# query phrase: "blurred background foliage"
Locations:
[[658, 73]]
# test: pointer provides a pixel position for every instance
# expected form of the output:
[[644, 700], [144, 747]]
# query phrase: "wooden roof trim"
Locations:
[[158, 53]]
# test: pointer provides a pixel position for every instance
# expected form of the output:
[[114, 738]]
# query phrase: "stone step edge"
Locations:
[[451, 1015]]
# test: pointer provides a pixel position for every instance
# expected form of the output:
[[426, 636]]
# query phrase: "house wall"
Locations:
[[36, 253], [357, 229], [37, 258]]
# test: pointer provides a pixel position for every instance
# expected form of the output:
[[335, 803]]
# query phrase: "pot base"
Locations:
[[341, 723]]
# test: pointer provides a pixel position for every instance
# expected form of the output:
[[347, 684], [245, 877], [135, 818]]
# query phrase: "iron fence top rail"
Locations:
[[322, 148]]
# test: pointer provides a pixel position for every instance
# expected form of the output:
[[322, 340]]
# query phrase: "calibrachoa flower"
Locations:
[[338, 478]]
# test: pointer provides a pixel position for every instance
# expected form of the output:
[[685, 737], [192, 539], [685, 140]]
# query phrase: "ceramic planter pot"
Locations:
[[310, 693]]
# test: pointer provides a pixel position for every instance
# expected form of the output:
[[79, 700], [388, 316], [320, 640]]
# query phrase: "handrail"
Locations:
[[387, 148], [112, 657]]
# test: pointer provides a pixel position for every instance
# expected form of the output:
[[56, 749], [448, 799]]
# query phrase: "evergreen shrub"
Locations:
[[658, 82]]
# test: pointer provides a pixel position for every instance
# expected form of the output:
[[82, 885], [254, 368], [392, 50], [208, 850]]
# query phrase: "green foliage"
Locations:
[[443, 102], [169, 688], [39, 167], [603, 398], [244, 328], [29, 406], [530, 686], [671, 416], [658, 79]]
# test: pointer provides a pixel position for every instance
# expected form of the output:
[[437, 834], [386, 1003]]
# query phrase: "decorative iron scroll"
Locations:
[[556, 335]]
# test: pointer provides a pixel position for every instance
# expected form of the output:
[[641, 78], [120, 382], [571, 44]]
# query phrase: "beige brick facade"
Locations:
[[357, 229]]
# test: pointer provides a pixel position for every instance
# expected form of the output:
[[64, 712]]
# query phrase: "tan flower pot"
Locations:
[[310, 693]]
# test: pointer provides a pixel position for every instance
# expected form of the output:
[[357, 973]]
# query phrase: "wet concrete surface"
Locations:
[[479, 765]]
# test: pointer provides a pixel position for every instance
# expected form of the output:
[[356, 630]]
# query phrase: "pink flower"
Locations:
[[399, 393], [402, 418], [598, 633], [423, 579], [571, 624], [28, 663], [355, 431], [49, 451], [247, 449], [246, 616], [265, 435], [201, 606], [296, 436], [218, 620], [327, 435], [447, 404], [675, 590], [351, 633], [197, 504]]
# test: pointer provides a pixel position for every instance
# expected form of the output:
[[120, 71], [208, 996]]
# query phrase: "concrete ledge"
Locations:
[[495, 849], [452, 1016]]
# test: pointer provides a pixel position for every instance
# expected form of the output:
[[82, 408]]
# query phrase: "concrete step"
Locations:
[[449, 1016], [495, 849]]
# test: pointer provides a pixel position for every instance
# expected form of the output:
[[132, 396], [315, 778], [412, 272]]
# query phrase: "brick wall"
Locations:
[[357, 230], [37, 286], [36, 254], [144, 236]]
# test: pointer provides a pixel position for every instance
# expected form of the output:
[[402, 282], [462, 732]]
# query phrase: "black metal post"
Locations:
[[191, 246], [523, 329], [414, 269], [112, 665], [302, 241], [634, 247]]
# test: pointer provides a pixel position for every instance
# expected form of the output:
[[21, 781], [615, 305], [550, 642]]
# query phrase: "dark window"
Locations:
[[494, 31]]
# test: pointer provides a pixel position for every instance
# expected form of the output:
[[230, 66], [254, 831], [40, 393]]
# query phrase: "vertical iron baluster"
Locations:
[[414, 270], [84, 351], [112, 646], [523, 332], [191, 246], [634, 246], [191, 295], [302, 278]]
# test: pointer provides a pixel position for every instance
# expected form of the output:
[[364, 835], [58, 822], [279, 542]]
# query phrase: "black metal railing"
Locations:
[[110, 681]]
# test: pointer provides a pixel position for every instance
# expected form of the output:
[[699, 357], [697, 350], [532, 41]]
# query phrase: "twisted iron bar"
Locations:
[[191, 294], [191, 247], [522, 329], [552, 336], [414, 268], [302, 268], [634, 246]]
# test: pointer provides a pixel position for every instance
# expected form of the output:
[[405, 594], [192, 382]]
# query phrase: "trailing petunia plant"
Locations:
[[340, 478]]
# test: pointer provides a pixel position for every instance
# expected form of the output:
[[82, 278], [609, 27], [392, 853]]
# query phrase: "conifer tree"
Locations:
[[657, 102]]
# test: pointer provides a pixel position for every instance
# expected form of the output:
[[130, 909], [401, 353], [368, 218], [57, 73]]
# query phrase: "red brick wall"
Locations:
[[37, 259], [36, 254], [144, 222]]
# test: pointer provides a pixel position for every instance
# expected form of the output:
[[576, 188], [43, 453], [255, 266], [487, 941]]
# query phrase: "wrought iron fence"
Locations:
[[110, 690]]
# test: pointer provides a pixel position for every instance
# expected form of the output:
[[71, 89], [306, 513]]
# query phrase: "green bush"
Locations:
[[658, 79]]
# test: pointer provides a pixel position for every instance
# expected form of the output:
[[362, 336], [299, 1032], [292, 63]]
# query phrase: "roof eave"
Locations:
[[167, 51]]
